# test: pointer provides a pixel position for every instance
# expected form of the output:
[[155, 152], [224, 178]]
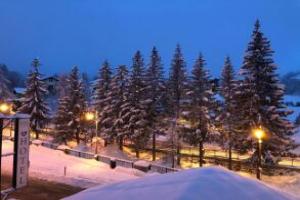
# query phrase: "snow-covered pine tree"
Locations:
[[119, 96], [228, 118], [134, 114], [261, 98], [176, 88], [198, 109], [76, 103], [62, 118], [155, 90], [86, 88], [5, 92], [33, 102], [102, 89]]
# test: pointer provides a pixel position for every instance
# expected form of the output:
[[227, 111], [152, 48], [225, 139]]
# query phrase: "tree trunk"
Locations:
[[201, 153], [37, 135], [77, 137], [121, 143], [154, 146], [178, 154], [230, 154], [137, 152]]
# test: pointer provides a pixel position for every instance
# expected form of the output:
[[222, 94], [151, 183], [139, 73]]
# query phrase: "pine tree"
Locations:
[[197, 111], [155, 91], [229, 112], [261, 98], [5, 92], [100, 96], [134, 115], [76, 103], [119, 96], [33, 102], [86, 88], [176, 88], [62, 118]]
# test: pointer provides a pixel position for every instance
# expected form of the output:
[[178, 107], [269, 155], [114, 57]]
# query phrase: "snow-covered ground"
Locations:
[[211, 183], [49, 164]]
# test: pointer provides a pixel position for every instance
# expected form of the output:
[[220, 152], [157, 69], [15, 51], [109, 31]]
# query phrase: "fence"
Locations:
[[80, 154], [162, 170], [107, 159]]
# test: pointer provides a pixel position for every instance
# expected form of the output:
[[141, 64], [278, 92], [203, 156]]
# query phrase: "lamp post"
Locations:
[[90, 116], [259, 134]]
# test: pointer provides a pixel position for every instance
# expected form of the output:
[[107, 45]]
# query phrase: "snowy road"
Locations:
[[49, 164]]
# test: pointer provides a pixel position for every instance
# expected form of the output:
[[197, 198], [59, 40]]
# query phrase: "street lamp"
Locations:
[[91, 116], [5, 108], [259, 135]]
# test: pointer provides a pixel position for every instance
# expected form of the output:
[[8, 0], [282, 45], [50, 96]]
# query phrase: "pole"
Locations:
[[154, 146], [96, 134], [258, 172], [1, 131]]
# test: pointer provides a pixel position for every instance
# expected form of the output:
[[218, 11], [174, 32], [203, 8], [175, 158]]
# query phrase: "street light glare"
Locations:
[[259, 133], [89, 116], [4, 108]]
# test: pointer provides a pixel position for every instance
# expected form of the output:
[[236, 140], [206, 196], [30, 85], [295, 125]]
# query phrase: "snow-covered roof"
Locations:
[[291, 98], [19, 90], [213, 183], [50, 77]]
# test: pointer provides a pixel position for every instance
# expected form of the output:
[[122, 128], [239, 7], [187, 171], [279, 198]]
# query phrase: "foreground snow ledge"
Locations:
[[211, 183]]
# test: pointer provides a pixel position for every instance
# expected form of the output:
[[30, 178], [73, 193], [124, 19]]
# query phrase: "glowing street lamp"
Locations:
[[89, 116], [93, 116], [259, 135], [5, 108]]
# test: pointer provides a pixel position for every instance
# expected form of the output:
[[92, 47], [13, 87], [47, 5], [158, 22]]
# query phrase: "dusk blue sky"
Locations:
[[64, 33]]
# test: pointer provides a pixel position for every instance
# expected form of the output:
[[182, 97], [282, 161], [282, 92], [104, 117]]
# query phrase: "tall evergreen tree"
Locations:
[[33, 102], [228, 114], [100, 95], [62, 115], [133, 113], [198, 109], [5, 92], [176, 88], [63, 133], [76, 104], [261, 97], [155, 91], [119, 97], [86, 88]]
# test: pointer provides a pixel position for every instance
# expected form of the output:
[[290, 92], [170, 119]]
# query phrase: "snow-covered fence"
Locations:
[[80, 154], [161, 169], [50, 145], [104, 159], [124, 163]]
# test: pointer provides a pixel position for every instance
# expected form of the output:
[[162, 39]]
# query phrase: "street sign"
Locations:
[[21, 149], [21, 161]]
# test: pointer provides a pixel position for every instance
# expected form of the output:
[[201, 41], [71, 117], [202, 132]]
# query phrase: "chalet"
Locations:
[[51, 84]]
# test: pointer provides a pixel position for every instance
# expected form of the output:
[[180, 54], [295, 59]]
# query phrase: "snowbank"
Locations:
[[49, 164], [211, 183]]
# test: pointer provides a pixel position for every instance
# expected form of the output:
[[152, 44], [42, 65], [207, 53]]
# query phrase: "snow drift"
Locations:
[[212, 183]]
